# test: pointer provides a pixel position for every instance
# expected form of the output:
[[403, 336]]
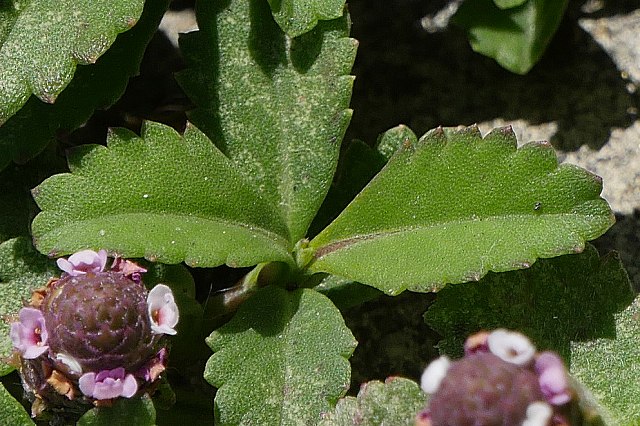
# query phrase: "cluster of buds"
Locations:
[[93, 335], [501, 380]]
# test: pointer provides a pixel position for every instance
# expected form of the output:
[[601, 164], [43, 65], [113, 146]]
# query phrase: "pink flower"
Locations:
[[552, 377], [108, 384], [163, 310], [83, 262], [29, 335]]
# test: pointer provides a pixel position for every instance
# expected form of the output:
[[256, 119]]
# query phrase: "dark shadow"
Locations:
[[624, 237], [406, 75], [393, 339], [266, 40]]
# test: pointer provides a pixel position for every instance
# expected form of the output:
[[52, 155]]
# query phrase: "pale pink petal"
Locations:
[[83, 262], [162, 310], [29, 335], [108, 384], [129, 386], [87, 383], [434, 374], [553, 379], [511, 346]]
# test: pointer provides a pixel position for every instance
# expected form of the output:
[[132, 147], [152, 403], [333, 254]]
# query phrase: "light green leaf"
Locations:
[[276, 106], [609, 367], [454, 206], [507, 4], [20, 139], [394, 402], [296, 17], [11, 411], [22, 270], [555, 302], [167, 197], [134, 412], [281, 360], [41, 42], [515, 37]]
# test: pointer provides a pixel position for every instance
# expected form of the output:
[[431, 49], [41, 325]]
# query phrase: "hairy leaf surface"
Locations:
[[394, 402], [287, 370], [41, 42], [167, 197], [515, 37], [609, 367], [275, 105], [11, 411], [296, 17], [454, 206], [21, 139], [22, 270], [556, 301]]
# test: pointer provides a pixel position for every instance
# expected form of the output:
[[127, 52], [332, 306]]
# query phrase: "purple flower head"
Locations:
[[476, 343], [163, 310], [29, 335], [552, 377], [83, 262], [108, 384]]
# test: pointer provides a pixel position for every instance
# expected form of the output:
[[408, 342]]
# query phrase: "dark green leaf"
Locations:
[[11, 411], [555, 302], [454, 206], [276, 106], [515, 37], [609, 367], [281, 359], [134, 412], [20, 139], [394, 402], [22, 270], [42, 42], [296, 17], [163, 196]]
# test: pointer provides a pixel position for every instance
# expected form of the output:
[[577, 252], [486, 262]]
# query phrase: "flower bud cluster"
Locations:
[[501, 380], [93, 335]]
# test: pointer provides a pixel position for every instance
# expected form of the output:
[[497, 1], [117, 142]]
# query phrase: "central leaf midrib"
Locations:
[[161, 216], [328, 248]]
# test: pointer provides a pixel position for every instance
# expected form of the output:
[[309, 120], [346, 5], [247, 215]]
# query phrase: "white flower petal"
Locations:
[[538, 414], [511, 346], [162, 309], [72, 364], [434, 374]]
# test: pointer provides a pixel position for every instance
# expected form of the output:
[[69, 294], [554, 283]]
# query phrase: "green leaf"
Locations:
[[41, 42], [394, 402], [297, 17], [454, 206], [166, 197], [276, 106], [20, 139], [22, 270], [515, 37], [346, 294], [135, 412], [507, 4], [11, 411], [555, 302], [280, 360], [609, 367]]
